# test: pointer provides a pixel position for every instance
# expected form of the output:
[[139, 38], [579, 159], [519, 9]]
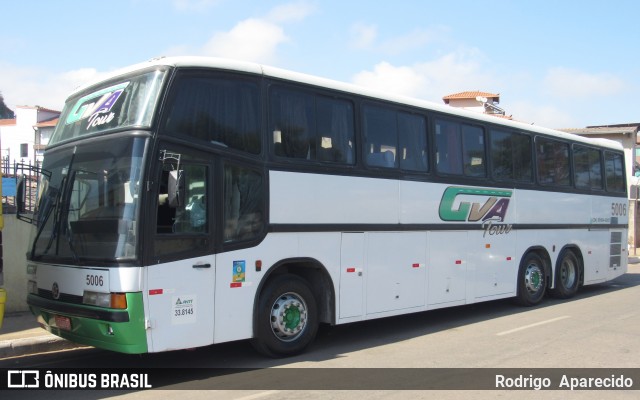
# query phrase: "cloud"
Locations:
[[547, 115], [250, 40], [431, 80], [21, 85], [388, 78], [570, 83], [291, 12], [257, 39], [362, 35], [194, 5]]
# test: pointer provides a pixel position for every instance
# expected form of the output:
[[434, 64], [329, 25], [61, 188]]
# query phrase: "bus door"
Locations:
[[180, 280]]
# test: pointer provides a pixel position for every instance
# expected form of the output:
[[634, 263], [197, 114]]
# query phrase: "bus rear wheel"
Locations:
[[567, 278], [532, 280], [287, 317]]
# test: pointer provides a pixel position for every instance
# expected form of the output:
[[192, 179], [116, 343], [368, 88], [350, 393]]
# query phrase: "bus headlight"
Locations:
[[32, 286], [107, 300]]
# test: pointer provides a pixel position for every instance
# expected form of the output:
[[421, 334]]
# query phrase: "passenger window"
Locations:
[[244, 214], [473, 149], [412, 130], [511, 156], [215, 109], [448, 148], [460, 149], [614, 168], [381, 137], [311, 127], [587, 166], [552, 158]]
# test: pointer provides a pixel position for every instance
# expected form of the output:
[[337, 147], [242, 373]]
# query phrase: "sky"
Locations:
[[559, 63]]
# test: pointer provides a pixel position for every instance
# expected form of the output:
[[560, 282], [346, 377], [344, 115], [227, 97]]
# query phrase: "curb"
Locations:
[[34, 345]]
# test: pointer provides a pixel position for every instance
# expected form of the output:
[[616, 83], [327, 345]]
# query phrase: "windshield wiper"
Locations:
[[62, 208]]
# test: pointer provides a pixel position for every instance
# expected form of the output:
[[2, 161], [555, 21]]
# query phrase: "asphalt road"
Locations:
[[599, 328]]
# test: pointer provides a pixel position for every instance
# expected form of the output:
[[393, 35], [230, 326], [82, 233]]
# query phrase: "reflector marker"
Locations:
[[155, 291]]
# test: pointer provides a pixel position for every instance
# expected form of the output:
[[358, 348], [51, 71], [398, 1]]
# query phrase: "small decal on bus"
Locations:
[[184, 309], [239, 271]]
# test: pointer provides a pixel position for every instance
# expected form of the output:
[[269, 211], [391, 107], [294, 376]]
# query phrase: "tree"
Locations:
[[5, 112]]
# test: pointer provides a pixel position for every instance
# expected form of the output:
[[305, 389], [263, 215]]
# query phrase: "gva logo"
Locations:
[[96, 106], [494, 208]]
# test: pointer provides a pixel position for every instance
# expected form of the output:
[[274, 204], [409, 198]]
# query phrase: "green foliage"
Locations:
[[5, 112]]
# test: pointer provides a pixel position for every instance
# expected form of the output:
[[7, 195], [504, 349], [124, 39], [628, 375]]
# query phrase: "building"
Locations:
[[483, 102], [22, 139]]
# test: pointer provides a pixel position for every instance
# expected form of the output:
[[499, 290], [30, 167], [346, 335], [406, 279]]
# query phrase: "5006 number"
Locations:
[[618, 209], [94, 280]]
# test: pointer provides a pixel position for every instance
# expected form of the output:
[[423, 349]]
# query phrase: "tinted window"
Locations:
[[311, 127], [460, 149], [587, 167], [473, 151], [614, 169], [216, 109], [395, 139], [511, 156], [381, 137], [553, 162], [243, 203], [412, 130]]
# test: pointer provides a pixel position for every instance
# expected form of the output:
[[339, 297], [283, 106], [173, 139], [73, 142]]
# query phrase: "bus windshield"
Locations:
[[124, 103], [88, 202]]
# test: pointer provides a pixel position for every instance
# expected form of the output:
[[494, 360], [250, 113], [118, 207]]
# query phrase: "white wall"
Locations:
[[15, 238]]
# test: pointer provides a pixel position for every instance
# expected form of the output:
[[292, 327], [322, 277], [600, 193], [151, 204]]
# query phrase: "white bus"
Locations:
[[191, 201]]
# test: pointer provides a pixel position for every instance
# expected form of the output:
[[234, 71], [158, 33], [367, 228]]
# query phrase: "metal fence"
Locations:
[[11, 172]]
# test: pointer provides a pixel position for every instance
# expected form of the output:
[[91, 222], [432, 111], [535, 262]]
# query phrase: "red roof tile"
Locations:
[[471, 95], [7, 122]]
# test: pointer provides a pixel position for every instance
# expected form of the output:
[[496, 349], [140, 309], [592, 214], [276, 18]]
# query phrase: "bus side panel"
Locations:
[[236, 291], [299, 198], [395, 270], [179, 304]]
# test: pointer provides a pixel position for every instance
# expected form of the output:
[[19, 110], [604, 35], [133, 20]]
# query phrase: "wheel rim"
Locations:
[[288, 317], [533, 278], [568, 273]]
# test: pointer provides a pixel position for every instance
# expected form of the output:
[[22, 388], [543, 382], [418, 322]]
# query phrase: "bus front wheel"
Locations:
[[532, 281], [287, 317]]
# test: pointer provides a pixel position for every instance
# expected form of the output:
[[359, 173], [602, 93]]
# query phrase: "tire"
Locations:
[[287, 317], [567, 276], [532, 281]]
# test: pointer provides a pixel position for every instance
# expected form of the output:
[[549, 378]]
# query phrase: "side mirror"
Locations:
[[176, 188]]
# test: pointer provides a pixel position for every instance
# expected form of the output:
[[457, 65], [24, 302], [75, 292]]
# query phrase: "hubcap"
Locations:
[[568, 273], [288, 317], [533, 278]]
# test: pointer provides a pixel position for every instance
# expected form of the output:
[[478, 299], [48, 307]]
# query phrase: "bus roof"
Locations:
[[268, 71]]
